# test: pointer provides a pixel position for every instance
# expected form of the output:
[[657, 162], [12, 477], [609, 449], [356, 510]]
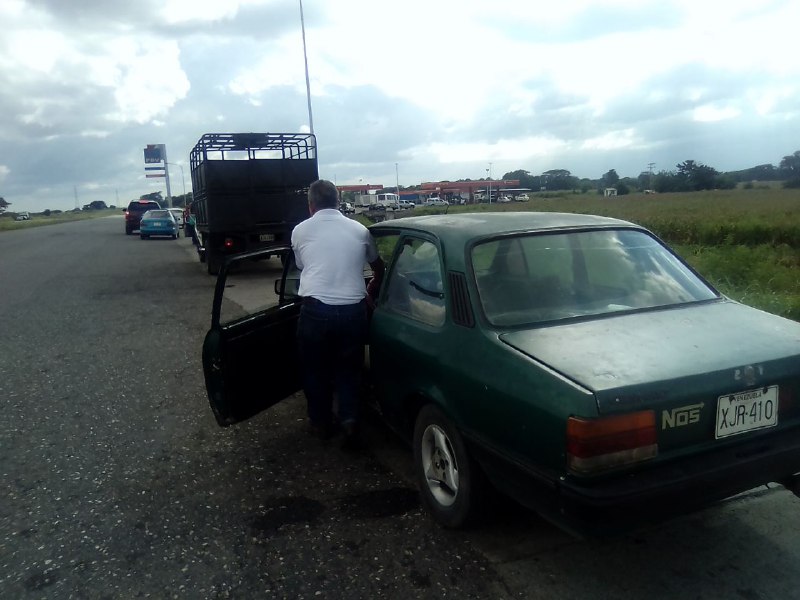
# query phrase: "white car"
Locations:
[[178, 214], [436, 202], [23, 216], [405, 205], [504, 199]]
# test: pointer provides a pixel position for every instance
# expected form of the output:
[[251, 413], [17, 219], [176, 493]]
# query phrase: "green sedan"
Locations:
[[573, 362]]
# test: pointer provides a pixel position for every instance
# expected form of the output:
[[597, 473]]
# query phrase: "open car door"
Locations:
[[250, 358]]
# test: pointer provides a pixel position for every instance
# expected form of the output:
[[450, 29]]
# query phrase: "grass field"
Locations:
[[8, 223], [745, 242]]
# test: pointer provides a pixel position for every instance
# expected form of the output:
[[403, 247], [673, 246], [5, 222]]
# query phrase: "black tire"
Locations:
[[128, 231], [142, 236], [452, 486], [212, 263]]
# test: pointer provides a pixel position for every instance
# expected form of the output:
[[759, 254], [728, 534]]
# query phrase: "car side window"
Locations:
[[386, 243], [415, 286]]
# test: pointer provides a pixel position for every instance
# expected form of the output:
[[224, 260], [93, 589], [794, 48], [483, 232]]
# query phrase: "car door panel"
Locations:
[[251, 363]]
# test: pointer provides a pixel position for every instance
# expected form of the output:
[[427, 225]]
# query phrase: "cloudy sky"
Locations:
[[420, 90]]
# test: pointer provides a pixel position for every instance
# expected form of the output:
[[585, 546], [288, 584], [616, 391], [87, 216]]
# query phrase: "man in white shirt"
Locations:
[[331, 250]]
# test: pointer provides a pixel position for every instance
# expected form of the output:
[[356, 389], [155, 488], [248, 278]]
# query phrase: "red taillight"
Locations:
[[595, 445], [228, 243]]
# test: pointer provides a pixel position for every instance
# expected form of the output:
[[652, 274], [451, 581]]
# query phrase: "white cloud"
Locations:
[[611, 141], [709, 113], [149, 80], [442, 88]]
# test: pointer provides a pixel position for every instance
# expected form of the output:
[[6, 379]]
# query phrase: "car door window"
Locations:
[[386, 244], [415, 286], [252, 287]]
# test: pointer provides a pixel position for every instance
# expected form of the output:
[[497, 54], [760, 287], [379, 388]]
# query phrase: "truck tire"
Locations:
[[213, 263]]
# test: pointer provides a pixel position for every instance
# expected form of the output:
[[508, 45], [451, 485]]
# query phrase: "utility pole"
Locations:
[[75, 191], [489, 171], [650, 167], [166, 174], [305, 60]]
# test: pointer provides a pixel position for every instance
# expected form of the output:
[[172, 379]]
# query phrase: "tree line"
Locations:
[[690, 175]]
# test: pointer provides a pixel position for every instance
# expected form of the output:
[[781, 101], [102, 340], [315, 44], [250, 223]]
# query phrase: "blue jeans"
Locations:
[[331, 342]]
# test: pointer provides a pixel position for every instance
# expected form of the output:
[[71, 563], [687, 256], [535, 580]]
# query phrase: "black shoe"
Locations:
[[322, 431], [351, 442]]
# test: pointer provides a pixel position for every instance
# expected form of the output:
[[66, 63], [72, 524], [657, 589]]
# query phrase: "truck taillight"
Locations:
[[595, 445], [228, 243]]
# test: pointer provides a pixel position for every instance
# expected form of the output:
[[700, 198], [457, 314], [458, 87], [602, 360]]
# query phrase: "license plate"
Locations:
[[266, 237], [747, 411], [157, 224]]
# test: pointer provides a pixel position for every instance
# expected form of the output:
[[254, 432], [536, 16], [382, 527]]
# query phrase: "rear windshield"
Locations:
[[157, 214], [142, 206], [544, 277]]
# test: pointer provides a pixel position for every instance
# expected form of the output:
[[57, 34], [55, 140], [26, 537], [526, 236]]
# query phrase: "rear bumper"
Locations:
[[619, 504], [158, 231], [240, 242]]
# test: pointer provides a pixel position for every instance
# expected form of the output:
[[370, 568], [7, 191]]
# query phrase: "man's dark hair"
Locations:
[[323, 194]]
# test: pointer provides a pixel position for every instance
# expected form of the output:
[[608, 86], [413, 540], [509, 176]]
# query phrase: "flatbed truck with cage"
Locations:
[[250, 190]]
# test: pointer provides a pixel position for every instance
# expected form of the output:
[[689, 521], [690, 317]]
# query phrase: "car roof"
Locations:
[[456, 231]]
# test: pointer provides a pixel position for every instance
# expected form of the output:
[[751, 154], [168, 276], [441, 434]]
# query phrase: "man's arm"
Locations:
[[297, 261]]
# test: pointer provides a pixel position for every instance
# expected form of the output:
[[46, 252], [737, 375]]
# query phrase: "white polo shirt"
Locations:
[[331, 251]]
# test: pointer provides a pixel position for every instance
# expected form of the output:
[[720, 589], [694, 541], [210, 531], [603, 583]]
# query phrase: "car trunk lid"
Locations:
[[679, 362]]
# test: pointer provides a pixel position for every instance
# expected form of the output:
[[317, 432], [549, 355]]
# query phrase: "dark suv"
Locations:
[[134, 212]]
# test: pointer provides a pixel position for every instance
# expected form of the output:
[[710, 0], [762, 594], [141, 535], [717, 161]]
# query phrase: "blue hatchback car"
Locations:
[[158, 222]]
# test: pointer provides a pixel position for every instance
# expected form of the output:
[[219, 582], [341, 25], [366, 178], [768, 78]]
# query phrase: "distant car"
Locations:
[[346, 208], [158, 223], [23, 216], [405, 205], [573, 361], [178, 214], [503, 199], [522, 198], [436, 202], [134, 212]]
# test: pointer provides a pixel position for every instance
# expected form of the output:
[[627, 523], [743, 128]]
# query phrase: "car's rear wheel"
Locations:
[[451, 484], [142, 236]]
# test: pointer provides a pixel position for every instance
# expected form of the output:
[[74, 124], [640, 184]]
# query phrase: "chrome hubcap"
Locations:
[[439, 465]]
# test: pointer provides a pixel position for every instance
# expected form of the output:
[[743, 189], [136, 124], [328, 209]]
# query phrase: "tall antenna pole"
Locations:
[[305, 59]]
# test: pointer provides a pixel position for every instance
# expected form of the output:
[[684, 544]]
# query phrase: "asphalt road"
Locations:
[[117, 482]]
